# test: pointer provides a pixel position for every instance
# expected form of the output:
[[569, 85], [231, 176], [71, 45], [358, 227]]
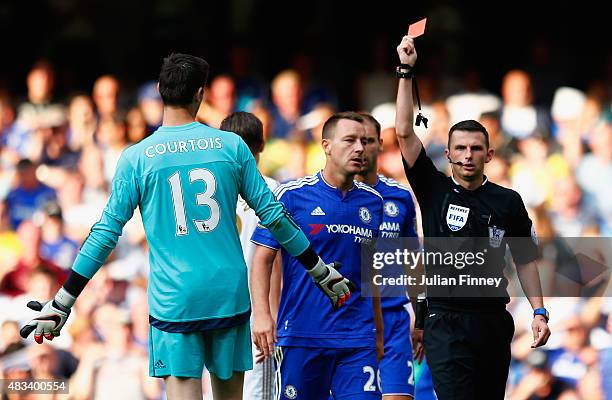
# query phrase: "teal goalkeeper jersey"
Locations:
[[186, 180]]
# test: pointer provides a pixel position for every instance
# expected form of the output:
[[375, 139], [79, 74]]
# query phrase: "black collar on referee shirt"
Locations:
[[458, 187]]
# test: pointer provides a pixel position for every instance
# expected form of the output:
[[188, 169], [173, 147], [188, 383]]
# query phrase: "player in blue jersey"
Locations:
[[320, 350], [396, 367], [186, 178]]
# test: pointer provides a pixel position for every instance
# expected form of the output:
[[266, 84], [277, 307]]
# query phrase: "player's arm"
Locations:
[[276, 283], [409, 143], [530, 282], [524, 249], [101, 241], [264, 327], [273, 215]]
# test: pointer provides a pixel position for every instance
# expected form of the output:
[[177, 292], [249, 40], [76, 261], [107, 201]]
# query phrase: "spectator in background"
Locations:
[[535, 170], [540, 384], [55, 245], [594, 174], [567, 112], [497, 139], [10, 341], [220, 101], [56, 154], [497, 171], [137, 128], [8, 130], [82, 197], [49, 362], [39, 108], [519, 117], [17, 281], [118, 361], [436, 137], [10, 245], [81, 122], [28, 195], [313, 122], [570, 218], [106, 95], [605, 366], [287, 102], [150, 103], [569, 363], [112, 140]]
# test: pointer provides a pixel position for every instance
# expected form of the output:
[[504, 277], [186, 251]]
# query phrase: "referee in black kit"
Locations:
[[467, 340]]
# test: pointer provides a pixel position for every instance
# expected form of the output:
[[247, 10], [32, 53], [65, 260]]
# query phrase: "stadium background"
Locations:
[[342, 55]]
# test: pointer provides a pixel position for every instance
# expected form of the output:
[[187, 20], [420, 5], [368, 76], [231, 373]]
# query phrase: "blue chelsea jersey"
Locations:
[[337, 226], [399, 221]]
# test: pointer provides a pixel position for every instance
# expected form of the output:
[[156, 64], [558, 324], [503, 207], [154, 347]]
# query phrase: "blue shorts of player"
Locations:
[[184, 354], [396, 368], [311, 373]]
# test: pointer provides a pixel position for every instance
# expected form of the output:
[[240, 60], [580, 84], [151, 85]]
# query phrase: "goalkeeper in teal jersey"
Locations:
[[186, 179]]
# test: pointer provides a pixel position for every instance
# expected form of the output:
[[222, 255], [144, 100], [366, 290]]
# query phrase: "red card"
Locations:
[[417, 29]]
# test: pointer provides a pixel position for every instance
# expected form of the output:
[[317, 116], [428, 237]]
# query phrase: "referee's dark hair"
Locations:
[[368, 117], [471, 126], [248, 127], [180, 78], [329, 128]]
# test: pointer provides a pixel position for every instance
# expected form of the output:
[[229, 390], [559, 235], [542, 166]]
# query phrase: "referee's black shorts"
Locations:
[[468, 353]]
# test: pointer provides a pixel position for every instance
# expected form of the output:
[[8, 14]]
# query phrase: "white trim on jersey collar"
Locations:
[[333, 187], [485, 180]]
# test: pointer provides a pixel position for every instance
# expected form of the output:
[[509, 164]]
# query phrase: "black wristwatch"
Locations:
[[404, 71]]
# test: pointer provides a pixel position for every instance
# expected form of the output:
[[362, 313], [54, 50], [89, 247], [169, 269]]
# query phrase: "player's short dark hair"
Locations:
[[469, 125], [180, 78], [329, 128], [248, 127], [368, 117]]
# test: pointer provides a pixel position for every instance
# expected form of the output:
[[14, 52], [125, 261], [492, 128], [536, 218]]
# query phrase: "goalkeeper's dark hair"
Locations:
[[180, 78], [248, 127]]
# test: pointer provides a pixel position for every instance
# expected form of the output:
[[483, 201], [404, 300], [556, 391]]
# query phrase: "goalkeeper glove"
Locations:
[[336, 287], [53, 316]]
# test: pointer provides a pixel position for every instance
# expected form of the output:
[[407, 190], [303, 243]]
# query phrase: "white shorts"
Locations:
[[259, 382]]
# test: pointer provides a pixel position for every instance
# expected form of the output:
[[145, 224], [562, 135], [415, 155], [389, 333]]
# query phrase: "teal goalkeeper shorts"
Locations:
[[222, 351]]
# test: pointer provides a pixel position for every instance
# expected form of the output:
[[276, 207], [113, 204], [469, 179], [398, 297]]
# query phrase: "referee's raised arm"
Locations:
[[409, 143]]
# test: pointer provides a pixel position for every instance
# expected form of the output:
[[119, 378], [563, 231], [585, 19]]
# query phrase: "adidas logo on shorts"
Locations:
[[159, 364]]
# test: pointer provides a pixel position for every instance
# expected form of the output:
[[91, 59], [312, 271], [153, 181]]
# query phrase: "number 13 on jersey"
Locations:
[[202, 199]]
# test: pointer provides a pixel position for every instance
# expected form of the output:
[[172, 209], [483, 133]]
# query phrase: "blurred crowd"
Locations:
[[58, 156]]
